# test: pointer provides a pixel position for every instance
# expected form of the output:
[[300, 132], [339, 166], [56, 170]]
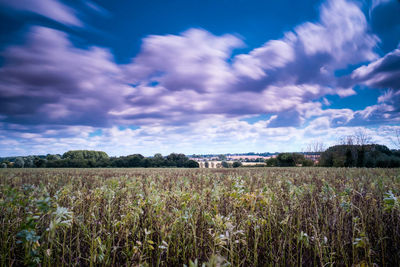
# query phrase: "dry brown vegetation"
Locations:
[[224, 217]]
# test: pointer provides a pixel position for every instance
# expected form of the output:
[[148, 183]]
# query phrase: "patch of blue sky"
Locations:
[[254, 119], [125, 127], [97, 132], [365, 97]]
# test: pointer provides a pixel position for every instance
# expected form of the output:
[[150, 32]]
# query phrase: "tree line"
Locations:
[[370, 156], [346, 154], [289, 160], [343, 155], [93, 159]]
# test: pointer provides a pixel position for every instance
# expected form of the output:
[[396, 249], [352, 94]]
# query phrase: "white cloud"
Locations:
[[342, 33], [212, 135]]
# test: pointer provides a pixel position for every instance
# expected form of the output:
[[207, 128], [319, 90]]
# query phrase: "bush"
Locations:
[[236, 164]]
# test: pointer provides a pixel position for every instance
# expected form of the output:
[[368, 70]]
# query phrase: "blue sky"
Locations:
[[196, 76]]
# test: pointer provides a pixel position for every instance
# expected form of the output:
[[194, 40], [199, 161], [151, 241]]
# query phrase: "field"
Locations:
[[220, 217]]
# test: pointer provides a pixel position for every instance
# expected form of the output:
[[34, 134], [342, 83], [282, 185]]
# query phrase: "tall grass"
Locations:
[[176, 217]]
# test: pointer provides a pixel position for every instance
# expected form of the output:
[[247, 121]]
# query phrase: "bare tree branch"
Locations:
[[315, 147], [360, 137]]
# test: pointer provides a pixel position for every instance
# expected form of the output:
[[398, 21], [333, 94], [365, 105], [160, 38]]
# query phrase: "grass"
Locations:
[[176, 217]]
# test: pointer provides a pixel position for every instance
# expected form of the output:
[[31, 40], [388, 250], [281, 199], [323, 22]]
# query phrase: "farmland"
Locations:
[[221, 217]]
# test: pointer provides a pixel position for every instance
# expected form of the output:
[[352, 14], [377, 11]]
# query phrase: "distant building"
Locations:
[[247, 157], [314, 157]]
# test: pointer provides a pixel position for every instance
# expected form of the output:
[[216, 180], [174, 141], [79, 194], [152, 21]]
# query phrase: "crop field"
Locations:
[[200, 217]]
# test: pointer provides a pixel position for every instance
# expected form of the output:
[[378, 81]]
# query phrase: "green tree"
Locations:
[[271, 162], [53, 157], [177, 160], [29, 163], [286, 160], [85, 154], [370, 155], [236, 164], [307, 163], [135, 160], [19, 163], [191, 164], [158, 160], [349, 159], [39, 162]]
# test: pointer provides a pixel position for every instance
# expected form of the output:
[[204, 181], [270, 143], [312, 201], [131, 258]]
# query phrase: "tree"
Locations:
[[191, 164], [206, 164], [360, 156], [236, 164], [158, 160], [147, 163], [135, 160], [271, 162], [286, 160], [3, 165], [85, 154], [362, 138], [19, 163], [307, 163], [224, 164], [29, 162], [177, 160], [53, 157], [289, 160], [315, 147], [39, 162], [349, 159], [359, 137], [346, 140]]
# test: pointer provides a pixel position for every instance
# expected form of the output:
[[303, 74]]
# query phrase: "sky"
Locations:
[[196, 76]]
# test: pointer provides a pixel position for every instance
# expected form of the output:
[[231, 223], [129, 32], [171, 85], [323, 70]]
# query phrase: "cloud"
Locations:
[[180, 78], [313, 51], [341, 33], [177, 79], [97, 9], [51, 9], [192, 76], [49, 81], [382, 73], [273, 54], [195, 60], [387, 110], [211, 135]]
